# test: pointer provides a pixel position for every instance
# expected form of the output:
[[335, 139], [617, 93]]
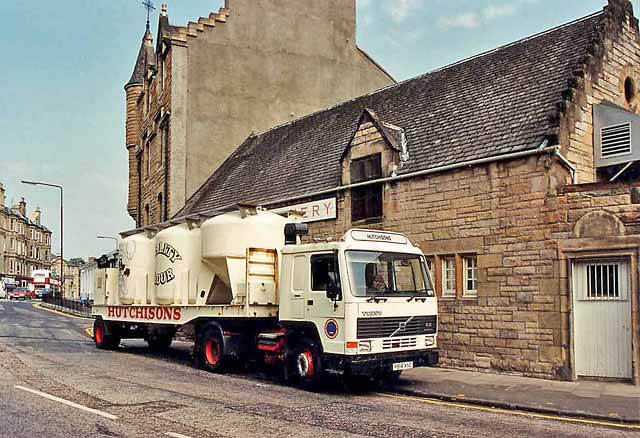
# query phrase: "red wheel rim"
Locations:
[[306, 366], [212, 351], [99, 334]]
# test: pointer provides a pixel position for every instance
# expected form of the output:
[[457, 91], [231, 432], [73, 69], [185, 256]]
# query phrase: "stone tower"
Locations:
[[199, 90]]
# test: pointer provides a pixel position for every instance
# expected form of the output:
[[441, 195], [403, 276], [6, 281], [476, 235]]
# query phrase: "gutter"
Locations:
[[543, 149], [540, 151]]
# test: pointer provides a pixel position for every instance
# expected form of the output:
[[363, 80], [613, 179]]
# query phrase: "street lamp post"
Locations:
[[39, 183], [110, 238]]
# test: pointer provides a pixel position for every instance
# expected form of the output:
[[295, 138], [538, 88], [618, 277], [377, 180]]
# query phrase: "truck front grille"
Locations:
[[388, 344], [397, 326]]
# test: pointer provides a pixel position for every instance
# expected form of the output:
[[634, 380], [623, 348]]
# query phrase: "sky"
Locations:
[[64, 65]]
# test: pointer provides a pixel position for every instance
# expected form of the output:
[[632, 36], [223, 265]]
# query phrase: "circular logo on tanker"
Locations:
[[331, 328]]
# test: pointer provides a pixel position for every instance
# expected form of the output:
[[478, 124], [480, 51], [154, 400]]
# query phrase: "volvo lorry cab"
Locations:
[[245, 289]]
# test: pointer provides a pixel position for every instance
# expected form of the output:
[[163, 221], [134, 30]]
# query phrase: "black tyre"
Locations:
[[104, 335], [210, 350], [304, 364], [390, 379], [159, 342]]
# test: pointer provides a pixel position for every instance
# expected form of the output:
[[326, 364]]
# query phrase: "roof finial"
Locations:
[[148, 5]]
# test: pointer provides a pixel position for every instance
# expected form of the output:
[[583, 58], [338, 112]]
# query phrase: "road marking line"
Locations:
[[67, 402], [89, 331], [514, 412], [41, 307], [176, 435]]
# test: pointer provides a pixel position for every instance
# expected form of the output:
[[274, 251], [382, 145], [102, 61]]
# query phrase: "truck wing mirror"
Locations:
[[333, 291]]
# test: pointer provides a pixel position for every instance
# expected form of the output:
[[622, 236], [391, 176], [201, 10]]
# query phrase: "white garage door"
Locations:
[[602, 318]]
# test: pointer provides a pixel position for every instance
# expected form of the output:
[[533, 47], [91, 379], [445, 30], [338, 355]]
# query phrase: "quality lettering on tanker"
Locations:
[[145, 313], [163, 248]]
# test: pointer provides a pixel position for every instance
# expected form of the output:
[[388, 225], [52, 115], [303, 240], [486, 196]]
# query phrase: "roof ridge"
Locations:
[[462, 61]]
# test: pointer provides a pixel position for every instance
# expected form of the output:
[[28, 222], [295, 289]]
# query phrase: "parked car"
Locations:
[[20, 293], [3, 291]]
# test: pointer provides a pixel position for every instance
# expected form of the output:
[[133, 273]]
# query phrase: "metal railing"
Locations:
[[66, 305]]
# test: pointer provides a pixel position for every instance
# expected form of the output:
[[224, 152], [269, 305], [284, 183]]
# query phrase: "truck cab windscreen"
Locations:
[[387, 274]]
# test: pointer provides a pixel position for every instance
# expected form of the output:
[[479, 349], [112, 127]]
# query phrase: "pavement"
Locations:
[[55, 383], [608, 401]]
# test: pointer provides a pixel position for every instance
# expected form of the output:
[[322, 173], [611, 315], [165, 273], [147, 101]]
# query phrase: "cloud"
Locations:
[[491, 12], [467, 20], [400, 9]]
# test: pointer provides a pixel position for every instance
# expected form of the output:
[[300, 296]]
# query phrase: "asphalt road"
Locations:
[[54, 383]]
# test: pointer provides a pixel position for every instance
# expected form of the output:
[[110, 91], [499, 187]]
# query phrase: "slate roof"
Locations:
[[145, 53], [489, 105], [11, 212]]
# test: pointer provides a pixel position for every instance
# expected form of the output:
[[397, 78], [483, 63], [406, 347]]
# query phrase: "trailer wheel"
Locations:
[[104, 336], [304, 367], [159, 342], [210, 349]]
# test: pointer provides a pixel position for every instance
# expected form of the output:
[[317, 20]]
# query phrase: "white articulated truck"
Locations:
[[246, 289]]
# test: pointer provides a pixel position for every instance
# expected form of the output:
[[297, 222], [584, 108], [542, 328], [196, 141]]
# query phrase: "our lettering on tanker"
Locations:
[[163, 248], [145, 313], [164, 277]]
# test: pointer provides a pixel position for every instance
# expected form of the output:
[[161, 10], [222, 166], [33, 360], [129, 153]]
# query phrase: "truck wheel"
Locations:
[[304, 367], [103, 336], [391, 379], [210, 348], [159, 343]]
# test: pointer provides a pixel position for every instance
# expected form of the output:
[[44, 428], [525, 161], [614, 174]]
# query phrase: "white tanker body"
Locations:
[[246, 289]]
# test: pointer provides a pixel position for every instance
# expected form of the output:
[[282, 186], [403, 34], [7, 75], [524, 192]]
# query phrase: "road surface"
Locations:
[[54, 383]]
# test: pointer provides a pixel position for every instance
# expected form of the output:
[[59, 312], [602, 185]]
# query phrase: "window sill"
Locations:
[[368, 221], [448, 298]]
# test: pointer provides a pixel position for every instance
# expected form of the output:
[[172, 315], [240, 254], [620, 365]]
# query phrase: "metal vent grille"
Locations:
[[616, 140]]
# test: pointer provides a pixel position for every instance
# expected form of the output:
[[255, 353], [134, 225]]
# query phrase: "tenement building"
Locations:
[[198, 90], [516, 173], [25, 243], [71, 271]]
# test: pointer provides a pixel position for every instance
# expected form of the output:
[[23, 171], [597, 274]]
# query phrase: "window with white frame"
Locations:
[[448, 277], [470, 266], [430, 267]]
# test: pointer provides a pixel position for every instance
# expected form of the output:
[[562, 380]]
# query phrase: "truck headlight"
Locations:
[[430, 341], [364, 346]]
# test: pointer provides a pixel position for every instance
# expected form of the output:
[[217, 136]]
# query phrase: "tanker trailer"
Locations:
[[360, 306]]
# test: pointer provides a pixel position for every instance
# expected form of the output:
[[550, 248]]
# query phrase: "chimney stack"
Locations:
[[1, 195], [37, 215], [22, 207]]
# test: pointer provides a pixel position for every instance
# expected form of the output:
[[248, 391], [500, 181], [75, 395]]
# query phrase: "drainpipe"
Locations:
[[568, 165]]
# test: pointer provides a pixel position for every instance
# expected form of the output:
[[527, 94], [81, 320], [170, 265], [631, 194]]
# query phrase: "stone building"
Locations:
[[199, 90], [515, 171], [25, 243], [71, 270]]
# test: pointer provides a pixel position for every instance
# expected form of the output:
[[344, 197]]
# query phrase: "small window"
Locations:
[[448, 277], [148, 158], [430, 265], [470, 264], [366, 202], [366, 169], [629, 90], [164, 140], [324, 270], [160, 208], [603, 281]]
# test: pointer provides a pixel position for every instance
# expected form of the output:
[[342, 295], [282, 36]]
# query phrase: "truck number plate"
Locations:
[[398, 366]]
